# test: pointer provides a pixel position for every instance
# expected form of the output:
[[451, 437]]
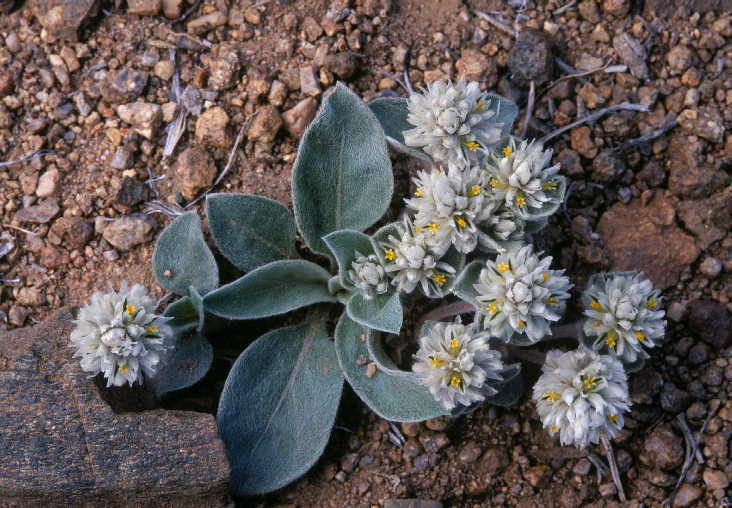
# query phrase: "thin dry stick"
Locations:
[[632, 143], [529, 108], [510, 31], [564, 7], [688, 458], [229, 163], [577, 75], [613, 467], [27, 232], [599, 465], [392, 77], [187, 13], [27, 157], [595, 116]]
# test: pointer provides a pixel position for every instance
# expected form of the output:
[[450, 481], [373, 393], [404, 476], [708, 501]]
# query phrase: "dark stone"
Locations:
[[63, 444], [133, 192], [712, 322], [531, 58], [645, 385], [40, 213], [607, 167], [686, 178], [663, 448], [674, 400], [75, 231], [411, 503], [125, 85], [664, 9], [698, 354], [708, 219], [632, 54], [342, 65]]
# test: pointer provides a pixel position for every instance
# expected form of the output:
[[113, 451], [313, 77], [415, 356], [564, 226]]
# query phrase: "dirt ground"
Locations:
[[650, 190]]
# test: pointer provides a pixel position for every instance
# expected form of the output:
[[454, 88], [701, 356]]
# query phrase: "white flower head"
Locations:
[[519, 294], [624, 315], [450, 205], [119, 335], [411, 261], [454, 362], [522, 178], [581, 394], [368, 275], [452, 120]]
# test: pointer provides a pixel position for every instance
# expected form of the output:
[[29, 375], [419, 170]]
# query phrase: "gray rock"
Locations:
[[531, 58], [411, 503], [41, 213], [63, 444], [712, 322], [133, 192], [710, 267], [662, 448], [632, 54], [61, 19], [126, 232], [299, 116], [124, 85], [309, 84], [145, 117]]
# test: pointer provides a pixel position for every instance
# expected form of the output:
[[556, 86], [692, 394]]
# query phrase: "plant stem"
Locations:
[[568, 330], [449, 310], [613, 467]]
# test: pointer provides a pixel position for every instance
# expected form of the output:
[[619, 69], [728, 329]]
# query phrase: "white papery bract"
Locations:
[[521, 177], [624, 315], [519, 294], [119, 335], [450, 205], [581, 394], [368, 275], [451, 121], [411, 261], [454, 362]]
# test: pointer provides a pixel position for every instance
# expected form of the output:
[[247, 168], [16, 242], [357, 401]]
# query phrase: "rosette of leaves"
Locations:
[[280, 400]]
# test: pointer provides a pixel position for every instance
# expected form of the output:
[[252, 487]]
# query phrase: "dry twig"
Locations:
[[613, 466], [529, 108], [633, 143], [510, 31], [595, 116], [599, 465], [27, 157]]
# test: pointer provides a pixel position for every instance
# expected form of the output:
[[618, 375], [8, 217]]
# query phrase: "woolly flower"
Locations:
[[519, 293], [411, 261], [368, 275], [623, 315], [450, 205], [119, 334], [454, 362], [451, 120], [581, 394], [522, 177]]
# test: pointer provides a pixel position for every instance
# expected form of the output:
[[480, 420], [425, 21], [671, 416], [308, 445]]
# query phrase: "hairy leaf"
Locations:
[[182, 258], [275, 288], [395, 398], [550, 206], [510, 389], [343, 245], [506, 112], [251, 231], [342, 177], [197, 302], [382, 360], [184, 314], [185, 366], [466, 280], [382, 312], [278, 407]]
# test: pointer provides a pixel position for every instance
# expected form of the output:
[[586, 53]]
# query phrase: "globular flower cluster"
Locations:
[[368, 275], [455, 362], [411, 261], [581, 394], [119, 335], [452, 121], [624, 315], [520, 294], [450, 205], [521, 177]]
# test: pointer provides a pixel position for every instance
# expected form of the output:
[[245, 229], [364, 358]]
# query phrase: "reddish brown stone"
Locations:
[[63, 444], [646, 238]]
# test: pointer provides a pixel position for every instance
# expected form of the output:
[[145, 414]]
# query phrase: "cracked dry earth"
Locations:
[[93, 84]]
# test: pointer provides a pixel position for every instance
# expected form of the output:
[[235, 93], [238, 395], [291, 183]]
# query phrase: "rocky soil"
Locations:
[[98, 87]]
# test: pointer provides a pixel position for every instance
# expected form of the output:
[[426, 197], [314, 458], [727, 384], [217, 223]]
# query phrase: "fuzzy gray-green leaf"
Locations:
[[395, 398], [466, 280], [251, 231], [342, 177], [182, 258], [185, 366], [197, 302], [275, 288], [184, 314], [506, 112], [343, 245], [392, 115], [375, 346], [278, 407], [382, 312]]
